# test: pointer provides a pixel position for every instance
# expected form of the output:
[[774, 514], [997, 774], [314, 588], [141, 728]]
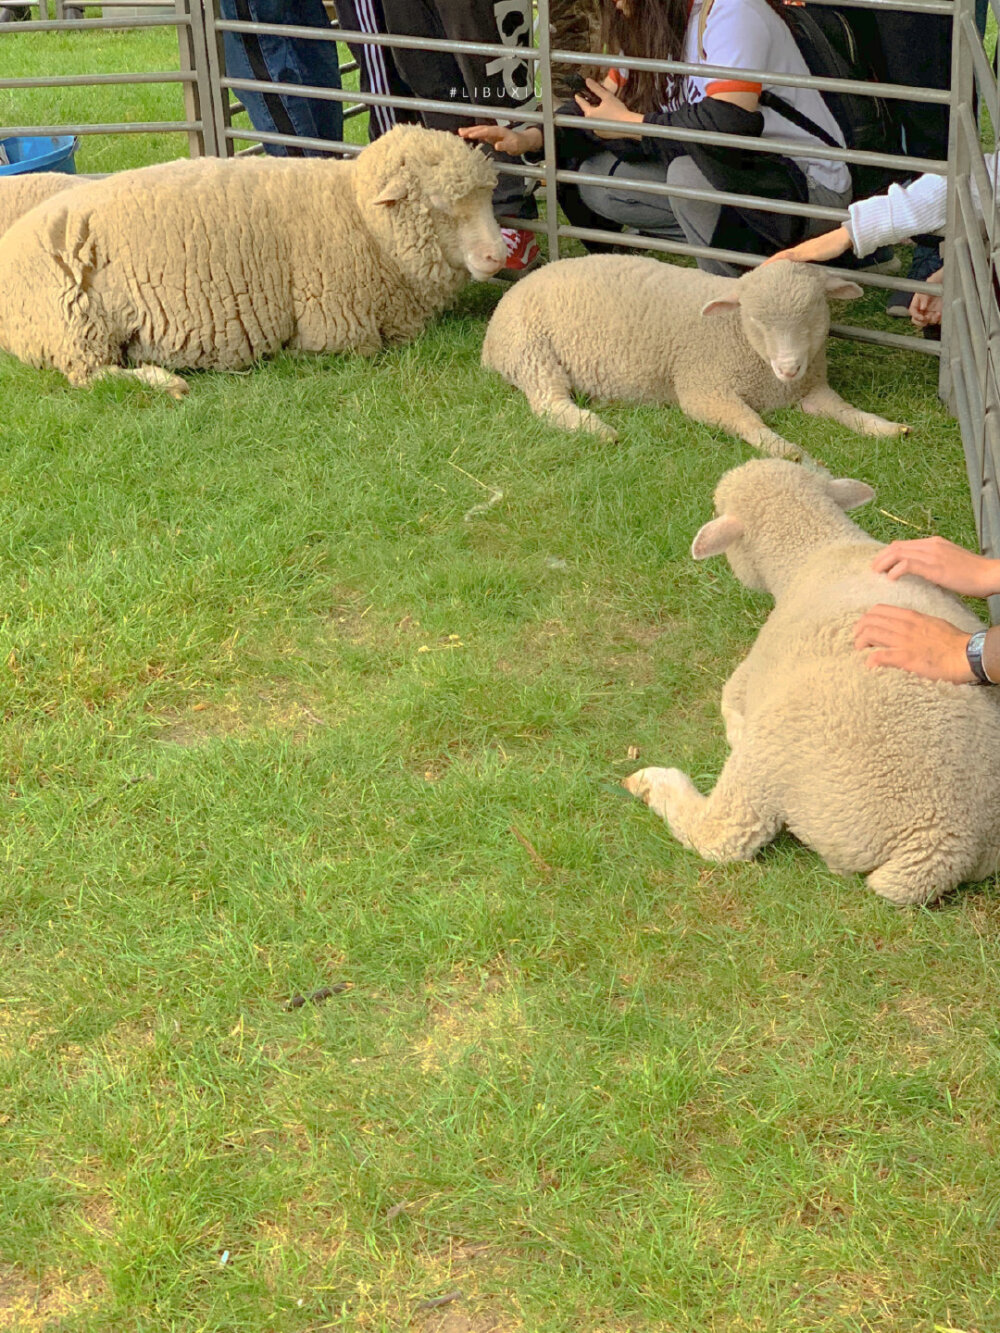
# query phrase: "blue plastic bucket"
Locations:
[[40, 155]]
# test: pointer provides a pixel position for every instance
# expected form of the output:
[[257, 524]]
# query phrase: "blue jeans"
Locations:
[[285, 60]]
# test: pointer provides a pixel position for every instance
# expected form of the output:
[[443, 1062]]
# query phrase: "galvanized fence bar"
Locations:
[[971, 291], [192, 74]]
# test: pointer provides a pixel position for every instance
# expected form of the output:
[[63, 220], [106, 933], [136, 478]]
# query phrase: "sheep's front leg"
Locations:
[[826, 402], [153, 376], [733, 414], [728, 825]]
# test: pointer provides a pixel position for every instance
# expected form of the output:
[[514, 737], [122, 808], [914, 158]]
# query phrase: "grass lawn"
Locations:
[[289, 706]]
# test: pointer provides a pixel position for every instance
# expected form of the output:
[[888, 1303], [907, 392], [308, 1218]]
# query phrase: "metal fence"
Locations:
[[971, 333]]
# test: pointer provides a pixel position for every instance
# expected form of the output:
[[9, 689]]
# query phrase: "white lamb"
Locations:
[[879, 771], [213, 264], [627, 327]]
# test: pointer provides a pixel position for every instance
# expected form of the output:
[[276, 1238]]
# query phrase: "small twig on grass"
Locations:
[[314, 997], [896, 519], [435, 1301], [538, 860]]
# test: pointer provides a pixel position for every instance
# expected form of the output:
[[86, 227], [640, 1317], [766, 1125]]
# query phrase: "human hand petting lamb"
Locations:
[[883, 773], [212, 264], [928, 645], [723, 349]]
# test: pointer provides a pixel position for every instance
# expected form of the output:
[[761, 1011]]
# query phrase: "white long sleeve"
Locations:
[[907, 210], [885, 219]]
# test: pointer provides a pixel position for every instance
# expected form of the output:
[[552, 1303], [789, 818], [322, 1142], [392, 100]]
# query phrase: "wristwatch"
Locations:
[[974, 654]]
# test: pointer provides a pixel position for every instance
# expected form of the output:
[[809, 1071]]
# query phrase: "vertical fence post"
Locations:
[[216, 63], [961, 90], [548, 126], [202, 94]]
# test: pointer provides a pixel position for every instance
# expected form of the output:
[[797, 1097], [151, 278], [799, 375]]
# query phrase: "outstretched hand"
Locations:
[[818, 249], [504, 138], [914, 642], [941, 562]]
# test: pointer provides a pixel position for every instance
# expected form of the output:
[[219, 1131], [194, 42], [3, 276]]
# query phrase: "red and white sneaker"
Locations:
[[522, 252]]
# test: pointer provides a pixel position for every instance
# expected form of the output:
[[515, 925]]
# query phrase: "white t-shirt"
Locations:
[[747, 34]]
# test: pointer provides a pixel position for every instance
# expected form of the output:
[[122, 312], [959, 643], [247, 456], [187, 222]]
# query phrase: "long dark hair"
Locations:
[[654, 30]]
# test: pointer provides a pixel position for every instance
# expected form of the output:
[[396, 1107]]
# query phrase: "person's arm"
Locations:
[[942, 562], [926, 645], [906, 210]]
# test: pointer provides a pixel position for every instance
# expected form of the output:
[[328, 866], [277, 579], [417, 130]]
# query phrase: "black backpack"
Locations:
[[834, 46]]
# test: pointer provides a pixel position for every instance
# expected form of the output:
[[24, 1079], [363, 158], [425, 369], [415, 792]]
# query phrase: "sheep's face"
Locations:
[[468, 233], [427, 196], [784, 313]]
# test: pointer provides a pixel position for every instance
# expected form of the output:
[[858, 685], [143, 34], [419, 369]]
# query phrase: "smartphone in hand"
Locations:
[[577, 84]]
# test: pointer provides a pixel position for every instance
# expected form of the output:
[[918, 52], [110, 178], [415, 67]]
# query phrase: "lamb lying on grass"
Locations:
[[213, 264], [723, 349], [879, 771]]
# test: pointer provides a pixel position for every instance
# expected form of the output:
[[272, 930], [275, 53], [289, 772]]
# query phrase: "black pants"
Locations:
[[378, 69], [916, 52], [506, 82]]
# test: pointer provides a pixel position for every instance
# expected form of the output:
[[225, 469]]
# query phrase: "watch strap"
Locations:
[[974, 655]]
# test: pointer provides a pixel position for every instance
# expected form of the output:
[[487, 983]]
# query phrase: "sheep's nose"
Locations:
[[487, 262], [787, 370]]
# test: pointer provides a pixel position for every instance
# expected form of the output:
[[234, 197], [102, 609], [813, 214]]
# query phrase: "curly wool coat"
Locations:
[[637, 329], [881, 772], [214, 264]]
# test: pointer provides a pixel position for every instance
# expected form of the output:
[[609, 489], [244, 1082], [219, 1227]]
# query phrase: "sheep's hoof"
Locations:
[[655, 786]]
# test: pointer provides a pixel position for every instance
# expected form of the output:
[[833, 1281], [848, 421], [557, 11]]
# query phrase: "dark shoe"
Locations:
[[15, 14], [926, 260], [882, 260]]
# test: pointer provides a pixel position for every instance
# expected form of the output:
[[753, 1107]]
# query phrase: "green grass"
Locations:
[[278, 716]]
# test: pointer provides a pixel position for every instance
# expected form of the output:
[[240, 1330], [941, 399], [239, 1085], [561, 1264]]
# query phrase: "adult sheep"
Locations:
[[627, 327], [879, 771], [212, 264]]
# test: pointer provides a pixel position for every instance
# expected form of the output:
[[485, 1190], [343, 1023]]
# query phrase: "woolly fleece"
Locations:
[[879, 771], [638, 329], [213, 264], [19, 194]]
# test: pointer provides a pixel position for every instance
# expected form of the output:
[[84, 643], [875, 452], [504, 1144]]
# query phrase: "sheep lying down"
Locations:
[[723, 349], [879, 771], [213, 264]]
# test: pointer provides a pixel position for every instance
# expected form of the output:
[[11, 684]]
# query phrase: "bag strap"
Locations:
[[785, 108]]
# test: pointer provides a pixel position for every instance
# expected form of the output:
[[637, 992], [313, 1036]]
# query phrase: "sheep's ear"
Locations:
[[848, 493], [392, 191], [839, 289], [713, 538], [721, 304]]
